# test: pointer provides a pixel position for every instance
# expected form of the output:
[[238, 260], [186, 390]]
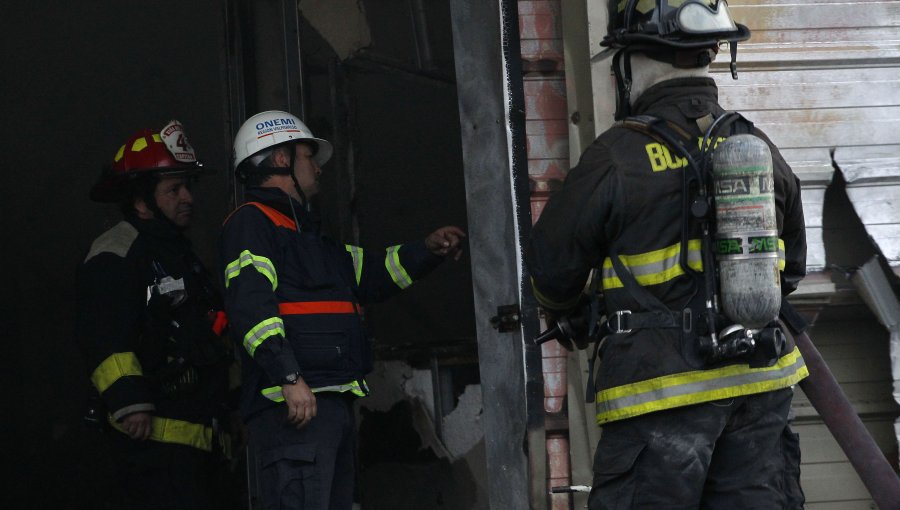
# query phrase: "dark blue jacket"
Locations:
[[293, 297], [146, 316]]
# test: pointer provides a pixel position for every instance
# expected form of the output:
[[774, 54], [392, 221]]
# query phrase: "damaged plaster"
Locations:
[[440, 471], [461, 430]]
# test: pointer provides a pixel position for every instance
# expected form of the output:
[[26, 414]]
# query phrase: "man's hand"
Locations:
[[446, 241], [301, 402], [138, 425]]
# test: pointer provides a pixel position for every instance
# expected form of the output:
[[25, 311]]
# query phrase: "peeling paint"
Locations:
[[393, 381], [462, 427]]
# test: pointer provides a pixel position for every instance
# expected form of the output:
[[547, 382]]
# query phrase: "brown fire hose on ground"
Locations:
[[826, 395]]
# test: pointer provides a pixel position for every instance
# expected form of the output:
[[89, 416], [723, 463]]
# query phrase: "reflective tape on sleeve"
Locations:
[[113, 368], [397, 271], [170, 430], [261, 264], [262, 331], [357, 254]]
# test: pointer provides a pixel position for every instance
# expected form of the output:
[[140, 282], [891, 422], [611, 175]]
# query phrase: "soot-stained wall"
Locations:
[[78, 79]]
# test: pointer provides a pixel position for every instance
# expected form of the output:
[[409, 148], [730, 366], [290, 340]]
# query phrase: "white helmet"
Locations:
[[266, 130]]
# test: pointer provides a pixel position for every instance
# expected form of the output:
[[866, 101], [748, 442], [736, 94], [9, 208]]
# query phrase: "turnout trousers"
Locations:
[[311, 468], [737, 453]]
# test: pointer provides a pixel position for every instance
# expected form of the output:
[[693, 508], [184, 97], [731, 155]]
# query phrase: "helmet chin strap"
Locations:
[[303, 200], [149, 199], [622, 71], [656, 64]]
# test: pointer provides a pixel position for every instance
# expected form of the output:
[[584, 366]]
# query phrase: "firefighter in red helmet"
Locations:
[[151, 324]]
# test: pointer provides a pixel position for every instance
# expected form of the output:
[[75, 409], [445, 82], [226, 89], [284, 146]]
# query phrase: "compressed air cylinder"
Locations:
[[746, 237]]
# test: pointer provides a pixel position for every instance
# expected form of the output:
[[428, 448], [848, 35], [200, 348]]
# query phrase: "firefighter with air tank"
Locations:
[[687, 222]]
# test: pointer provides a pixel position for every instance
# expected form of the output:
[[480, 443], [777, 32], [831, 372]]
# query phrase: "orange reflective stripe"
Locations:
[[308, 307], [277, 218]]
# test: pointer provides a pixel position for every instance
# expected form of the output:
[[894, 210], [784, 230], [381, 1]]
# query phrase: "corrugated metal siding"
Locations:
[[821, 76], [822, 79]]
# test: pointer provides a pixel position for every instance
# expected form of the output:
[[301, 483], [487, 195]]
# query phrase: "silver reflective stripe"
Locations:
[[353, 387], [653, 267], [696, 387], [275, 394], [781, 256], [396, 270], [357, 254], [263, 330], [660, 266], [261, 264]]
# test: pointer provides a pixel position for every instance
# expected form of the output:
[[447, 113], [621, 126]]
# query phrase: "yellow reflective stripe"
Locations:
[[170, 430], [396, 270], [262, 264], [263, 330], [275, 395], [660, 266], [781, 256], [655, 267], [354, 387], [139, 144], [696, 387], [357, 254], [113, 368]]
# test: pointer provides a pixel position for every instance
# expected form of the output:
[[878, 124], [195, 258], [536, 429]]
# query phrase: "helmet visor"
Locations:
[[698, 18]]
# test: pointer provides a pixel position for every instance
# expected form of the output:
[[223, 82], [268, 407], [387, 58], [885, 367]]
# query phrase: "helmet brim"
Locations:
[[324, 152], [622, 39], [109, 187]]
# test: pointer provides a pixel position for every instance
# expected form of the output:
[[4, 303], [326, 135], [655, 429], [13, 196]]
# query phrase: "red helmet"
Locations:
[[167, 152]]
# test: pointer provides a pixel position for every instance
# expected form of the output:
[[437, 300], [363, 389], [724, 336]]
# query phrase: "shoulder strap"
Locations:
[[279, 219]]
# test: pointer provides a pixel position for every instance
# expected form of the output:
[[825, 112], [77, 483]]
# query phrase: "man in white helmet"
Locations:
[[294, 300], [687, 422]]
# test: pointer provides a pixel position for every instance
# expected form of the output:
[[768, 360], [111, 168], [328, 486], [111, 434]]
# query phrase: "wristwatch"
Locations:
[[291, 378]]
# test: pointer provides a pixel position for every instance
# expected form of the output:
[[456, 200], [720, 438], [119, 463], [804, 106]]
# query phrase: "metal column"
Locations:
[[491, 106]]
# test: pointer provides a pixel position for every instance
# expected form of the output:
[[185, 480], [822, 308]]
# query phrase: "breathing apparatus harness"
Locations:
[[708, 336]]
